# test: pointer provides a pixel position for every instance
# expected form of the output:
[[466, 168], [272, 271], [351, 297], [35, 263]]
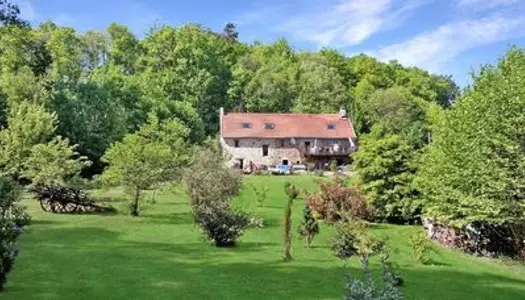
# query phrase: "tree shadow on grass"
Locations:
[[433, 262], [44, 222], [380, 226], [171, 218], [272, 222], [105, 200], [96, 263]]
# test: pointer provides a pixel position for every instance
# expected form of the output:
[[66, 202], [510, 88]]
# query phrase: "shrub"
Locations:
[[368, 290], [352, 239], [334, 199], [210, 183], [332, 166], [420, 247], [211, 187], [12, 218], [221, 227], [255, 221], [309, 228]]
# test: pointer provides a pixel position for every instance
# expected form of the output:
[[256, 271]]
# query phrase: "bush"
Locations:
[[335, 199], [255, 221], [332, 167], [222, 228], [210, 183], [352, 239], [211, 187], [309, 228], [368, 290], [420, 247], [12, 218]]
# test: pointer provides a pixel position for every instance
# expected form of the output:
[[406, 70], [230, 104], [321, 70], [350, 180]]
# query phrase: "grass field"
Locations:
[[162, 255]]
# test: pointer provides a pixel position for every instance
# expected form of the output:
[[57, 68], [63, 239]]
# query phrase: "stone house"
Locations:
[[255, 140]]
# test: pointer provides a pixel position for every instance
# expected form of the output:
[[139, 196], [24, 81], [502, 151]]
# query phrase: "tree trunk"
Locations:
[[135, 206], [518, 236], [287, 230]]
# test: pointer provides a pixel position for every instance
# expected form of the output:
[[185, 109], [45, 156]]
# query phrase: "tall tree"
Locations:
[[265, 79], [385, 167], [189, 64], [396, 111], [65, 49], [320, 87], [94, 49], [125, 91], [339, 62], [474, 171], [28, 125], [30, 150], [124, 47], [230, 33], [153, 155], [97, 121], [10, 14]]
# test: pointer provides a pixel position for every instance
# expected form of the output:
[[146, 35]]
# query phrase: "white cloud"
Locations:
[[350, 22], [479, 4], [432, 49]]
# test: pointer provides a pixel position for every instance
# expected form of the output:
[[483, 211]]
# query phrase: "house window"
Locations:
[[331, 126], [246, 125], [283, 143], [265, 150], [241, 163], [236, 142], [269, 126]]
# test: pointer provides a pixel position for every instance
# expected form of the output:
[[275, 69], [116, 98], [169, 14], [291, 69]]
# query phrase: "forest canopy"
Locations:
[[102, 85]]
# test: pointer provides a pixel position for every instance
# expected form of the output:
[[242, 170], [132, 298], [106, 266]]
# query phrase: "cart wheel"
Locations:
[[70, 207], [45, 205]]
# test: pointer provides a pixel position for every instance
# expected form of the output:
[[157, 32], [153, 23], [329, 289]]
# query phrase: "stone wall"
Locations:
[[251, 149]]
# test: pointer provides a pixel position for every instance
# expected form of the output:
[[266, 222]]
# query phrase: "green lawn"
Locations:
[[162, 255]]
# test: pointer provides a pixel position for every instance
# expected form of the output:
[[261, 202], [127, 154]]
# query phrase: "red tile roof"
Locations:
[[286, 126]]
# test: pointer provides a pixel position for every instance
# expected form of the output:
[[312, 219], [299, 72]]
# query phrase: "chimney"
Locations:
[[342, 113]]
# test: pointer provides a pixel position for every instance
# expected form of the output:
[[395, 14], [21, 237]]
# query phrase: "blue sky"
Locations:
[[443, 36]]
